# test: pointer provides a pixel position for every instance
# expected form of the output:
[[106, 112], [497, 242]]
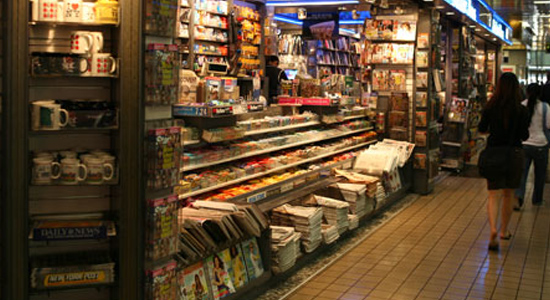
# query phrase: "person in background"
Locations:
[[536, 147], [274, 75], [507, 122]]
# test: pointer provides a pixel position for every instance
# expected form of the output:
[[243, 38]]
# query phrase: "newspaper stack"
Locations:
[[285, 245], [306, 220], [355, 195], [380, 195], [330, 233], [335, 212], [353, 222]]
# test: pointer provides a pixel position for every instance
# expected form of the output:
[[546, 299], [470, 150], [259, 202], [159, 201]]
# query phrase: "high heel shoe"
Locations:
[[507, 236], [493, 243]]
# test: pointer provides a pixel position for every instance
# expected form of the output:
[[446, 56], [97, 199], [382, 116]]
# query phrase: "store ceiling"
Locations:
[[535, 14]]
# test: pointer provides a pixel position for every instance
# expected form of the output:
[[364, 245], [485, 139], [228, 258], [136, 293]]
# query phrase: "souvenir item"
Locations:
[[72, 10], [96, 170], [72, 171], [44, 170], [106, 12], [88, 12], [47, 115], [47, 10]]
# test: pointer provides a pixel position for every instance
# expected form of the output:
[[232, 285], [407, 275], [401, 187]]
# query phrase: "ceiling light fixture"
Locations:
[[310, 3], [536, 2], [450, 13]]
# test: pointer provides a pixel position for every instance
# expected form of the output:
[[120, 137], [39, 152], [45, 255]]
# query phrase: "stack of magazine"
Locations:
[[330, 233], [306, 220]]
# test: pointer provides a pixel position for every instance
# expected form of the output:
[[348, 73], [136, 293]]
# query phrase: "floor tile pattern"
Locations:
[[436, 248]]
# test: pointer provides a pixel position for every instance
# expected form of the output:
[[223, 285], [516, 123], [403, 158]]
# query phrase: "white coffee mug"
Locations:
[[60, 6], [110, 160], [97, 45], [72, 10], [82, 42], [72, 171], [88, 12], [96, 170], [44, 170], [47, 10], [101, 64], [48, 116]]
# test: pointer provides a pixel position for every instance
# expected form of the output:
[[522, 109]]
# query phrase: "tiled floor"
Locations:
[[437, 249]]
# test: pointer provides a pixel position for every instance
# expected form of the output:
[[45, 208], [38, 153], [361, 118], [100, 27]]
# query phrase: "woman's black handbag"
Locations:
[[494, 161]]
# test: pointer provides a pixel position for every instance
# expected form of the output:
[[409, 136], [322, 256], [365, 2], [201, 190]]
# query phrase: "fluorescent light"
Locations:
[[287, 20], [440, 7], [348, 31], [311, 3], [428, 0], [351, 22], [541, 2], [450, 13], [477, 29], [473, 26]]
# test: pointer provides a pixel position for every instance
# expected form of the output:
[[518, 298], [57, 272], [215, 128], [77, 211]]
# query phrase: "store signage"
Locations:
[[321, 26], [464, 6]]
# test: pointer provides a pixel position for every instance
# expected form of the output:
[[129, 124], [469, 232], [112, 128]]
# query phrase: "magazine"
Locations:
[[218, 266], [421, 99], [237, 268], [193, 284], [398, 80], [458, 110], [422, 59], [253, 258], [380, 80], [422, 80], [423, 40]]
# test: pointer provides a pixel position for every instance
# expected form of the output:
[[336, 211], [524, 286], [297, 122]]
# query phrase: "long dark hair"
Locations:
[[533, 93], [507, 97]]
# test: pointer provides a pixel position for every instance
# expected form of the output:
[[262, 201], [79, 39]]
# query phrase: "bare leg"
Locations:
[[492, 210], [506, 210]]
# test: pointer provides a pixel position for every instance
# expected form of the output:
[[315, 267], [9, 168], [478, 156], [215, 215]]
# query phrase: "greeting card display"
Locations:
[[161, 74], [163, 157]]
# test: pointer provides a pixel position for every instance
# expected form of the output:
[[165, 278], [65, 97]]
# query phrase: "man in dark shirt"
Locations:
[[274, 75]]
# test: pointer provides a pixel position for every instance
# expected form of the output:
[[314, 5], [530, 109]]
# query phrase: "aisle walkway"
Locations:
[[437, 249]]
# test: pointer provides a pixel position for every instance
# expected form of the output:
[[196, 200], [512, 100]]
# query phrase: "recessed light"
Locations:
[[450, 13], [440, 7], [477, 29], [486, 34], [473, 26]]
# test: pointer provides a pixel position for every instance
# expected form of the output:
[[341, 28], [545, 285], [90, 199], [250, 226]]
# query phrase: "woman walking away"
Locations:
[[502, 161], [536, 147]]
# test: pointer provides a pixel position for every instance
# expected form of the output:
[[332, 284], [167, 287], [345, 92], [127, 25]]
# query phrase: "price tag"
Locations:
[[256, 197], [287, 187]]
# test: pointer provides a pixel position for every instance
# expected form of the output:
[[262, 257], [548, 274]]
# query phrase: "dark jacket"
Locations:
[[492, 122], [275, 75]]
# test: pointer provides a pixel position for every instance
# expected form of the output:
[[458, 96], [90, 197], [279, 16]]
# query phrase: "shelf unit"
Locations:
[[282, 168]]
